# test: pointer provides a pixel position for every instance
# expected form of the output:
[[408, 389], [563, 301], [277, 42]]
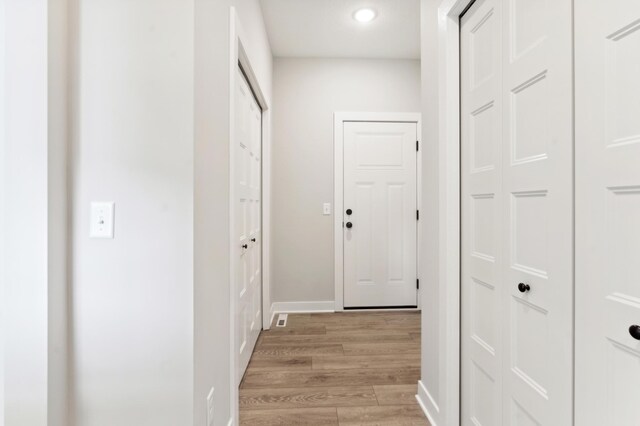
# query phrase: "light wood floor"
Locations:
[[353, 368]]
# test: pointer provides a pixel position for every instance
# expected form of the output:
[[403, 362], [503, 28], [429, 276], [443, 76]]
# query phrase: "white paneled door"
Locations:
[[248, 221], [380, 214], [607, 212], [517, 213]]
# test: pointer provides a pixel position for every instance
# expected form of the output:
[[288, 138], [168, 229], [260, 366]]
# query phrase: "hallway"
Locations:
[[352, 368]]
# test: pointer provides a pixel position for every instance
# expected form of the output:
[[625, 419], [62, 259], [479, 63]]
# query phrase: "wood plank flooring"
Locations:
[[352, 368]]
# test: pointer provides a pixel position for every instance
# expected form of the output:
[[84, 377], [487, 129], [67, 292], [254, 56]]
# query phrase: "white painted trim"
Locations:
[[426, 403], [266, 218], [230, 422], [338, 208], [301, 307], [338, 187], [446, 409], [239, 53], [272, 315]]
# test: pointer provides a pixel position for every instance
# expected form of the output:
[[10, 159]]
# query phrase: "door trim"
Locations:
[[240, 55], [339, 118], [443, 407]]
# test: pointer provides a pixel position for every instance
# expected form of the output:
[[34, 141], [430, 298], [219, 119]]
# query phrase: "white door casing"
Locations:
[[517, 213], [607, 212], [380, 188], [248, 222]]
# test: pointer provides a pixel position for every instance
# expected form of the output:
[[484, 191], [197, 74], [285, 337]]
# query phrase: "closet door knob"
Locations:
[[524, 287], [244, 246], [349, 225], [349, 211], [634, 331], [253, 240]]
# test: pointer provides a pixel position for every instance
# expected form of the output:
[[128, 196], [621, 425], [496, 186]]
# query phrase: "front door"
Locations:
[[380, 214]]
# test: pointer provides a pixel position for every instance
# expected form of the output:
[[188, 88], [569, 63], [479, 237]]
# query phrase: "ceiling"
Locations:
[[326, 28]]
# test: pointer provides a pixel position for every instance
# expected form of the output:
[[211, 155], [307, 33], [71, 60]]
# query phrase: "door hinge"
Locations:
[[418, 284], [417, 214], [417, 145]]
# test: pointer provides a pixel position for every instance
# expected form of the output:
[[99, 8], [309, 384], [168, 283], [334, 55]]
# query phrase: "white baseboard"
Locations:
[[426, 402], [272, 315], [301, 307]]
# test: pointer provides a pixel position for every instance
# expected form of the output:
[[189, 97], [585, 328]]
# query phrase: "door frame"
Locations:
[[444, 408], [339, 118], [240, 55]]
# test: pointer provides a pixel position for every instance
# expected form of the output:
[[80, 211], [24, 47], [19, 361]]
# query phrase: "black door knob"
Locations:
[[253, 240], [349, 225], [634, 331], [349, 211], [524, 287], [244, 246]]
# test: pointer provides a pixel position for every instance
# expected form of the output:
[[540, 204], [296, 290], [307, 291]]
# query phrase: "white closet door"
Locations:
[[247, 157], [380, 202], [607, 212], [482, 225], [517, 212], [538, 211]]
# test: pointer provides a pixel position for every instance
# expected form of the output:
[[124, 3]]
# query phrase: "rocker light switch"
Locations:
[[326, 209], [101, 220]]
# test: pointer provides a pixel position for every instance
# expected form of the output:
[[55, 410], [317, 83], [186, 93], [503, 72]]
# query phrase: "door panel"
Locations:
[[248, 148], [517, 212], [607, 211], [538, 206], [481, 253], [380, 187]]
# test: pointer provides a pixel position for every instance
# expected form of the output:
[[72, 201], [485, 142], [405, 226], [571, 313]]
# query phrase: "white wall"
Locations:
[[26, 226], [58, 207], [146, 110], [34, 210], [306, 94], [133, 131], [211, 263]]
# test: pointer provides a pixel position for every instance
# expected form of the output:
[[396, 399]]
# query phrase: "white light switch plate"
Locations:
[[102, 215], [210, 408], [326, 209]]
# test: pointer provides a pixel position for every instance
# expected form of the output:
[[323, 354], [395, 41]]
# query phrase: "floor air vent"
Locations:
[[282, 320]]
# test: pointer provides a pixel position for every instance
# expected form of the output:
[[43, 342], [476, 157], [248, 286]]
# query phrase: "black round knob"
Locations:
[[524, 287], [349, 211], [244, 246], [253, 240], [349, 225], [634, 331]]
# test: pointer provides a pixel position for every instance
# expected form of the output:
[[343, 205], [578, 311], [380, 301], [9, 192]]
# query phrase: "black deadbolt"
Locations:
[[349, 211], [349, 225], [523, 287], [634, 331]]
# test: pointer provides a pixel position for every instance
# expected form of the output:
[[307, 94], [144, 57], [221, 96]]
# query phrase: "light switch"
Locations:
[[101, 220], [326, 209]]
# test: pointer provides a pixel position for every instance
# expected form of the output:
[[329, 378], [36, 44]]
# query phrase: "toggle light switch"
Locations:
[[101, 220]]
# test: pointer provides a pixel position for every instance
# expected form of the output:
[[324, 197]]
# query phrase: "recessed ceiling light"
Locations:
[[364, 15]]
